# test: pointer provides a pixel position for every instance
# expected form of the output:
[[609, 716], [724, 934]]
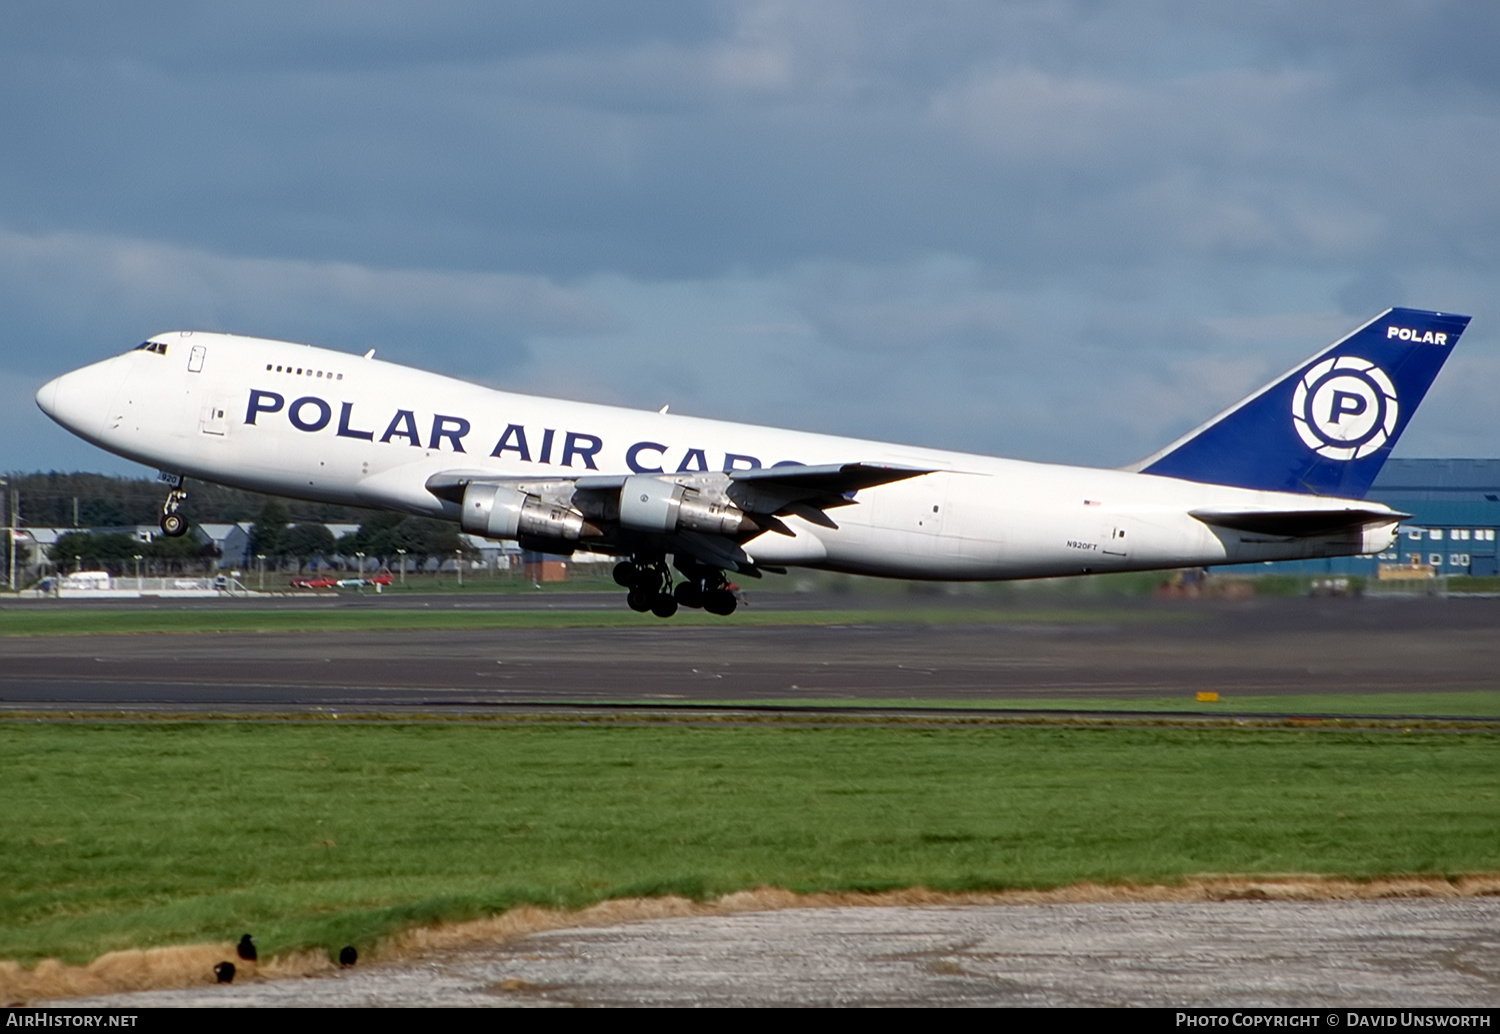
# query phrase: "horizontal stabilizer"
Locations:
[[1297, 524]]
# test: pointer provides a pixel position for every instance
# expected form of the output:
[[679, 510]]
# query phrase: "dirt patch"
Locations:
[[192, 965]]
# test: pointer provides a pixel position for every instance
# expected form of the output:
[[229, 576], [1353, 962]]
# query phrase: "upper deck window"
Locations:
[[305, 371]]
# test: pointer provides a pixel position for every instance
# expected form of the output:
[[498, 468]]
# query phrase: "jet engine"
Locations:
[[503, 512], [655, 504]]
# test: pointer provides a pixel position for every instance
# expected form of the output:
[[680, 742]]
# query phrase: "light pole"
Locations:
[[137, 572], [361, 557], [10, 532], [402, 554], [260, 560], [458, 565]]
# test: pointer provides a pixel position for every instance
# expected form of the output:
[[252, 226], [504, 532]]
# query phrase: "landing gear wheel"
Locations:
[[689, 594], [649, 582], [172, 523], [720, 601]]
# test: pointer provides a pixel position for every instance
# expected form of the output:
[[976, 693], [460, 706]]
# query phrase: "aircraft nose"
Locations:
[[46, 397], [80, 400]]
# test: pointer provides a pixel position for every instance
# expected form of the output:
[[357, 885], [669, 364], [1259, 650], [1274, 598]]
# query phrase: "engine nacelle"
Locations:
[[502, 512], [655, 504], [650, 504]]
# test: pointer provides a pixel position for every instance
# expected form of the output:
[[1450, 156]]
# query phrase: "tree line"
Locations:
[[382, 537], [116, 552], [286, 532], [78, 500]]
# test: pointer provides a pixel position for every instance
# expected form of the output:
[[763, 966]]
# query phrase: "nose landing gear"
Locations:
[[172, 523]]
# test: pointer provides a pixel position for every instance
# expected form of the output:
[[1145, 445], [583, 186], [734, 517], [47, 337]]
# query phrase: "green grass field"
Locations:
[[131, 834], [1475, 703], [32, 620]]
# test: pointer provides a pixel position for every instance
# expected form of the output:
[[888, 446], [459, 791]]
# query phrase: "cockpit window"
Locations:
[[158, 347]]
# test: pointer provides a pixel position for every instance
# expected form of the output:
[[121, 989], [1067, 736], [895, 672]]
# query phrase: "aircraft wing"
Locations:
[[451, 484], [828, 478], [829, 484], [707, 514], [1297, 523]]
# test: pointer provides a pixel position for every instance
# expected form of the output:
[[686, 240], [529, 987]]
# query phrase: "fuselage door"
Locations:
[[213, 420], [1096, 538], [1112, 540], [195, 359]]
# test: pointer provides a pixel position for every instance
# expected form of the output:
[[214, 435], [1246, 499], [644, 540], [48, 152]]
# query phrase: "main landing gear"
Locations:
[[172, 523], [650, 583]]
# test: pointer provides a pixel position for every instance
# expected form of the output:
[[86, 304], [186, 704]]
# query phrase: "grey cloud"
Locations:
[[769, 134], [1439, 43], [131, 282], [1115, 192], [1370, 293], [938, 302], [226, 39]]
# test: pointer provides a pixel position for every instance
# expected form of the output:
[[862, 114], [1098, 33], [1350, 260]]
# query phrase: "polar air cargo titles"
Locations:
[[1280, 475]]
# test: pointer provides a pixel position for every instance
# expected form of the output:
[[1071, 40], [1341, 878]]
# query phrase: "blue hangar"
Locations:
[[1455, 513]]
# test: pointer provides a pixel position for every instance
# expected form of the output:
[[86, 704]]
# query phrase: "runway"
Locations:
[[1291, 648]]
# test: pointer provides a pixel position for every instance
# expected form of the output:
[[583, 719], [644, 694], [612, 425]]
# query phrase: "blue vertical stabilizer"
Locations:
[[1326, 427]]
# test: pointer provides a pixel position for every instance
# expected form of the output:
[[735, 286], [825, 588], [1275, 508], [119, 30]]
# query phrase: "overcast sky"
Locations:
[[1058, 231]]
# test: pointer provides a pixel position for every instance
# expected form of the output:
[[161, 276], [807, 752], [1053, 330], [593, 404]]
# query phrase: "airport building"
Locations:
[[1455, 514], [231, 541]]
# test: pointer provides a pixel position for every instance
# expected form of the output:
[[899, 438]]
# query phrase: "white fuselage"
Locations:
[[307, 422]]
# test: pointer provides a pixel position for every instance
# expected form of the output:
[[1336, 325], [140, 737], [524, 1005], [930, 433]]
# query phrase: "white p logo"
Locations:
[[1345, 408]]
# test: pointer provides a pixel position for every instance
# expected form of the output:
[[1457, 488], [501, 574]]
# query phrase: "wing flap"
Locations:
[[796, 488]]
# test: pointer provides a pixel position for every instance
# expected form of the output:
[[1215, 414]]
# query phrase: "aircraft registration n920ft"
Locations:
[[1280, 475]]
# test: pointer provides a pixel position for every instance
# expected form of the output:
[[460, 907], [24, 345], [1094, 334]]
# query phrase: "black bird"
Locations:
[[246, 949], [348, 956], [224, 972]]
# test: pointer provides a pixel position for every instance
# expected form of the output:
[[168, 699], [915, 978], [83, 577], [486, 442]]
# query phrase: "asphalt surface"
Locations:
[[1393, 954], [1275, 647]]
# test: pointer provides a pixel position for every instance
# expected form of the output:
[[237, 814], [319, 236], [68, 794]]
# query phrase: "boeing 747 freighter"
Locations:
[[1280, 475]]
